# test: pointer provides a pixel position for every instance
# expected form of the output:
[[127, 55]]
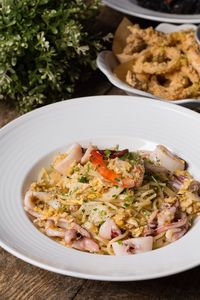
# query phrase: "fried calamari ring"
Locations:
[[137, 40], [157, 60], [134, 46], [183, 39], [187, 43], [138, 81], [149, 35], [178, 85]]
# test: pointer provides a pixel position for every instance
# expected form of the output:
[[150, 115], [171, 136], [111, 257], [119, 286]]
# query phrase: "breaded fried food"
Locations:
[[166, 65]]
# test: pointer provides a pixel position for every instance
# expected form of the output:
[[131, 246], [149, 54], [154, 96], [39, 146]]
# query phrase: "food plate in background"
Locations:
[[106, 62], [130, 7], [131, 122]]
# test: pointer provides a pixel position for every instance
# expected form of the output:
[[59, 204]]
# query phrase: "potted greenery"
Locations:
[[45, 46]]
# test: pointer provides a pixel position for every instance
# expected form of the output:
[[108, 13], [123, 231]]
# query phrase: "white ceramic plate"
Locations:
[[131, 7], [29, 142], [106, 62]]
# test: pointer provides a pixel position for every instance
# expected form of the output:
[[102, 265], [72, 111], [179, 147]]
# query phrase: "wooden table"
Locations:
[[19, 280]]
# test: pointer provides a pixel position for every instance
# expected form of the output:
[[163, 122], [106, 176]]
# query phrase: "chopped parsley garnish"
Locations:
[[129, 199], [83, 179], [103, 213], [133, 156], [117, 179], [107, 153]]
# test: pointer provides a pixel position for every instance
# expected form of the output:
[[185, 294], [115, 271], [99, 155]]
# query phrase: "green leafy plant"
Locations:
[[46, 46]]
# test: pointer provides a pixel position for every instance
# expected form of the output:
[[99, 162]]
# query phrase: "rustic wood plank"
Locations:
[[7, 114], [97, 85], [21, 281], [182, 286], [115, 91]]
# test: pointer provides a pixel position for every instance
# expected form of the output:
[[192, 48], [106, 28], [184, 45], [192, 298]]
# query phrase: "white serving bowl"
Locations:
[[28, 143], [106, 62], [132, 8]]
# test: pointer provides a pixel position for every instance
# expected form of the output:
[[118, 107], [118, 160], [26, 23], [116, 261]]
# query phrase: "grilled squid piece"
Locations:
[[30, 196], [167, 159], [85, 244], [53, 231], [109, 230], [166, 215], [79, 238], [74, 154], [29, 199], [112, 193], [86, 156], [133, 246], [183, 221], [70, 235], [80, 230], [174, 234]]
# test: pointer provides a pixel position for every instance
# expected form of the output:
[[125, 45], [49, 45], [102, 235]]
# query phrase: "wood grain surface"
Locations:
[[21, 281]]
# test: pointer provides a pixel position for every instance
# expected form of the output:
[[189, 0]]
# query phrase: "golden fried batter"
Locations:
[[164, 64]]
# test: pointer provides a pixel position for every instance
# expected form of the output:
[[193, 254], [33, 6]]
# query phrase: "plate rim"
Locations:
[[25, 118], [164, 17], [112, 278]]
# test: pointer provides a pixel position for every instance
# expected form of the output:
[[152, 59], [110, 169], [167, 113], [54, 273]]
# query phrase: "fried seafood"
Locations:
[[149, 36], [139, 81], [157, 60], [178, 85], [166, 65]]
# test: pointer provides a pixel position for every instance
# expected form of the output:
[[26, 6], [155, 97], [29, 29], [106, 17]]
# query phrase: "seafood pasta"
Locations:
[[166, 65], [114, 202]]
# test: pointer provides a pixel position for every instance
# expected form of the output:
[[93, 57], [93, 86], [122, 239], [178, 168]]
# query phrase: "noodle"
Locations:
[[109, 199]]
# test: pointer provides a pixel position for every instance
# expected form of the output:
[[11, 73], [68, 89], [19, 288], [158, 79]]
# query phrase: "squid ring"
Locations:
[[156, 60], [178, 85]]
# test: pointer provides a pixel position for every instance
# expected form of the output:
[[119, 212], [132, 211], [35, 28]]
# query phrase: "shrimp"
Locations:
[[97, 160]]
